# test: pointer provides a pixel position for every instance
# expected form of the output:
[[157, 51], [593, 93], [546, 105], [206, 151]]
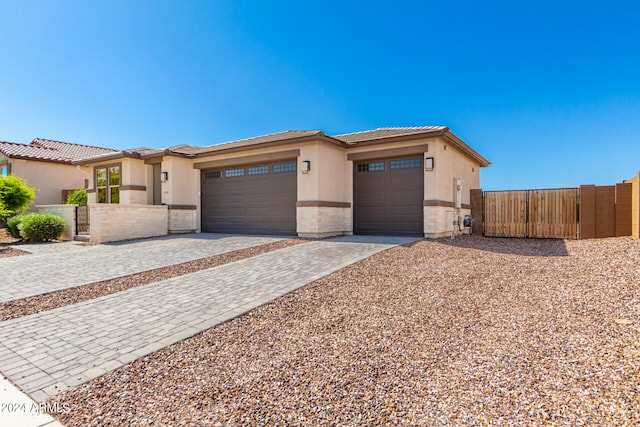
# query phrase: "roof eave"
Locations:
[[235, 147], [163, 153], [397, 138], [465, 148], [36, 159], [103, 158]]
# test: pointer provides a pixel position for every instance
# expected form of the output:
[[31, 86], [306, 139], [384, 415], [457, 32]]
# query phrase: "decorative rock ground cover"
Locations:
[[476, 331]]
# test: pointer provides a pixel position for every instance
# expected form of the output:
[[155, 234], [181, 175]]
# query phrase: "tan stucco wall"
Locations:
[[450, 163], [327, 178], [49, 179], [111, 222], [66, 212], [180, 188]]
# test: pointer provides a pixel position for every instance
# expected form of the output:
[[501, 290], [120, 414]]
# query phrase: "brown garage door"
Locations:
[[258, 199], [388, 197]]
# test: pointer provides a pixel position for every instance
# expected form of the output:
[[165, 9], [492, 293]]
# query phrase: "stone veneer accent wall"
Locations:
[[322, 221], [67, 212], [182, 220], [439, 218], [111, 223]]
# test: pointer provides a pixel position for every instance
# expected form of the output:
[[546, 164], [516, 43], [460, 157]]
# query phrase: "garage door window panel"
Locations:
[[284, 167], [258, 170], [371, 167], [230, 173], [406, 163]]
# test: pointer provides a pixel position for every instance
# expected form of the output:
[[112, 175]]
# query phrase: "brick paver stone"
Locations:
[[86, 340], [37, 274]]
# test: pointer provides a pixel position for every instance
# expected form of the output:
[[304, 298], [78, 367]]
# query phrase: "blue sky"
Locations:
[[548, 91]]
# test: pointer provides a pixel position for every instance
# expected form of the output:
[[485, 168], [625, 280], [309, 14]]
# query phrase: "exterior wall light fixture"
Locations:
[[428, 163], [164, 176], [306, 166]]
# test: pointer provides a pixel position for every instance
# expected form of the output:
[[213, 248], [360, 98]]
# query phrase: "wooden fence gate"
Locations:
[[532, 213]]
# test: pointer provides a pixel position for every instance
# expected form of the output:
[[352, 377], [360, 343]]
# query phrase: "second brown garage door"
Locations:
[[258, 199], [388, 197]]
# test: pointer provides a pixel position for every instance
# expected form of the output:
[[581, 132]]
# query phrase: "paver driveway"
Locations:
[[49, 271], [49, 352]]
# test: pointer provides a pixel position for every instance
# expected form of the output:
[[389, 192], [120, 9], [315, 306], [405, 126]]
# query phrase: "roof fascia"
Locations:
[[229, 148], [462, 146], [103, 158]]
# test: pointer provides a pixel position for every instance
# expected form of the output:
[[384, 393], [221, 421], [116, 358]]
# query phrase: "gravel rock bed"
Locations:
[[477, 331], [7, 252], [5, 237], [38, 303]]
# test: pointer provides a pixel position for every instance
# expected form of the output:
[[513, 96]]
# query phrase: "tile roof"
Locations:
[[49, 150], [273, 137], [387, 132]]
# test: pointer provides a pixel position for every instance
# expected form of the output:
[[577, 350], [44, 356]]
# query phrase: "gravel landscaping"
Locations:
[[5, 241], [477, 331], [7, 252], [38, 303]]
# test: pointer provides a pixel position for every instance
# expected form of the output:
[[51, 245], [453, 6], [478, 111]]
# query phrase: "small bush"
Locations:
[[4, 212], [12, 226], [41, 227], [15, 193], [78, 197]]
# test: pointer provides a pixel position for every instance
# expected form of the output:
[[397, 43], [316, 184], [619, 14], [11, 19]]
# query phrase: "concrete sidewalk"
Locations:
[[49, 270], [19, 410], [50, 352]]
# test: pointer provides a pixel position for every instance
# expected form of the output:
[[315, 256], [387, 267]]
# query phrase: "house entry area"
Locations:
[[388, 196], [257, 199]]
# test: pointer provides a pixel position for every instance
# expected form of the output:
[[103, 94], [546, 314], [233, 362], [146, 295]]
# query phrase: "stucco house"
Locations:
[[47, 165], [396, 181]]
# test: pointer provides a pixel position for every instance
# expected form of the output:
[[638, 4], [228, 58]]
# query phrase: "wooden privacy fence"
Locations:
[[563, 213], [532, 213]]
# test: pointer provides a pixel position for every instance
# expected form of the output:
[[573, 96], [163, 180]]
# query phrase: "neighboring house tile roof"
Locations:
[[389, 132], [51, 151]]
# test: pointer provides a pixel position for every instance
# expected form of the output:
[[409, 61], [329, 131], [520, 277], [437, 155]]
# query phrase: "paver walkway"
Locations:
[[50, 352], [25, 276]]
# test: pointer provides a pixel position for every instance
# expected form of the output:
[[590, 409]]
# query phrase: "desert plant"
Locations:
[[78, 197], [41, 227], [15, 194]]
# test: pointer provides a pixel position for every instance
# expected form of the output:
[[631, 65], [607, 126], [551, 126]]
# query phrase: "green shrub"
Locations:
[[4, 212], [78, 197], [12, 226], [41, 227], [15, 194]]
